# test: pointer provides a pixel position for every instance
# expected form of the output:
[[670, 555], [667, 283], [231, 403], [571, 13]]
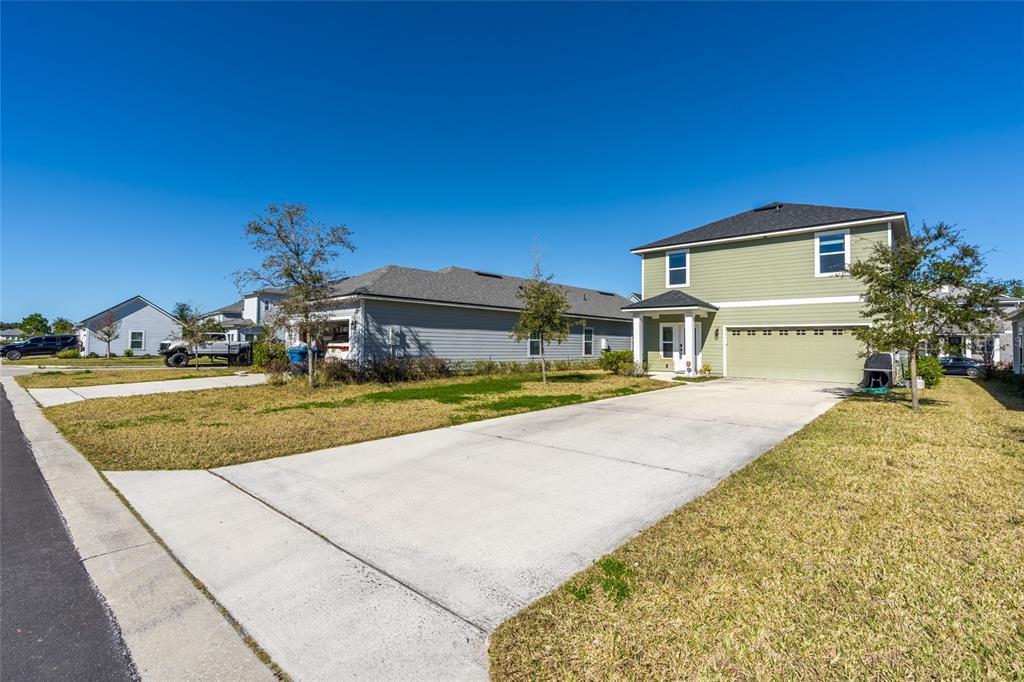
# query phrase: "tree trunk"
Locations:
[[913, 380], [543, 363], [312, 362], [108, 350]]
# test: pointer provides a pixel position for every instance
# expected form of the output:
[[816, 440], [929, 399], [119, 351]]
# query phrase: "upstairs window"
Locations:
[[832, 253], [678, 271]]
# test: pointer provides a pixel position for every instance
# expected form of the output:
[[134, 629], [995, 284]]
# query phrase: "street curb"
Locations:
[[171, 629]]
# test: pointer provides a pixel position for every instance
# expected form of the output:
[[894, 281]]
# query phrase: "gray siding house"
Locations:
[[143, 326], [459, 314]]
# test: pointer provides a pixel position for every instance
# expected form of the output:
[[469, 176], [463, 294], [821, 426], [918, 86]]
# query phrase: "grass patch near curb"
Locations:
[[875, 543], [141, 361], [88, 377], [204, 429]]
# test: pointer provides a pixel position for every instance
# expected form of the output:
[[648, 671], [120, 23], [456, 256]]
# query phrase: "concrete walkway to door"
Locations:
[[396, 558]]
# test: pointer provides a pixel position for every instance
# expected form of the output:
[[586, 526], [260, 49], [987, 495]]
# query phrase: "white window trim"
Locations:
[[136, 331], [530, 341], [668, 260], [592, 339], [817, 252]]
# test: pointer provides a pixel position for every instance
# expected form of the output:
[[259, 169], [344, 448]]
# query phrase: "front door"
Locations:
[[673, 345]]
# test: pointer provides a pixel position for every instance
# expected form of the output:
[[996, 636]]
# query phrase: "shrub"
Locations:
[[69, 353], [128, 353], [930, 369], [92, 355], [618, 362], [1005, 376], [339, 372], [267, 352]]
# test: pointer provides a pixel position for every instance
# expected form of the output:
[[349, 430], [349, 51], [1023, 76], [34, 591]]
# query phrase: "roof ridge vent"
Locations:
[[488, 274], [767, 207], [605, 293]]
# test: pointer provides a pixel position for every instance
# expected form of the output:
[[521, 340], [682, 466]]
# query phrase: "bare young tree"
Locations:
[[195, 327], [297, 254], [107, 329]]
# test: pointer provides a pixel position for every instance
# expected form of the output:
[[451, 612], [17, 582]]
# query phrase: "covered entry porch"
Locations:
[[669, 332]]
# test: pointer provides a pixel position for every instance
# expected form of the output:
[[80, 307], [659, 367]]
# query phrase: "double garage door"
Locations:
[[808, 353]]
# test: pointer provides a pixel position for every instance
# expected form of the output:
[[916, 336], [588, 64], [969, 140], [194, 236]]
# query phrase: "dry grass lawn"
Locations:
[[203, 429], [86, 377], [873, 544], [37, 360]]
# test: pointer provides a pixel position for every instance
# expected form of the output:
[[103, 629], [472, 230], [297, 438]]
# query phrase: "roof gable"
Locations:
[[773, 217], [126, 302]]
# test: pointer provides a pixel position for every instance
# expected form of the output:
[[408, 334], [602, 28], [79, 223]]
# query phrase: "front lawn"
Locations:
[[873, 544], [203, 429], [88, 377]]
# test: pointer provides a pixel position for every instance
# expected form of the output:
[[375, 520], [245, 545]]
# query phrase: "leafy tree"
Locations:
[[34, 324], [544, 314], [106, 329], [297, 253], [194, 327], [903, 299], [63, 325]]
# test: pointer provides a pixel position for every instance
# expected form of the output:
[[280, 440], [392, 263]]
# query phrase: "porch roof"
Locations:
[[669, 300]]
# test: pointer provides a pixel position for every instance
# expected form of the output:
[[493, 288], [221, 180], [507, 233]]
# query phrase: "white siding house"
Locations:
[[143, 326]]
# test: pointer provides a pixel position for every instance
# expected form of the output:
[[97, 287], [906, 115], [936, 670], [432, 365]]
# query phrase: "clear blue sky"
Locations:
[[137, 139]]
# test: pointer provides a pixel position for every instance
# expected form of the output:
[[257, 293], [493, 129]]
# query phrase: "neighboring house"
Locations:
[[143, 325], [1000, 345], [236, 327], [1017, 339], [245, 319], [459, 314], [11, 334], [762, 294]]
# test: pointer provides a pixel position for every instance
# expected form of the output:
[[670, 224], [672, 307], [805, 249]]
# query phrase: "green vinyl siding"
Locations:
[[759, 269], [715, 324], [768, 353]]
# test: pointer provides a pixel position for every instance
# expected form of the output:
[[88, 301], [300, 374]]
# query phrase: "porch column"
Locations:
[[688, 342], [638, 338]]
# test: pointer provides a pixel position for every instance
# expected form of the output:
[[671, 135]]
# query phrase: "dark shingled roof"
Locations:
[[471, 287], [669, 299], [773, 217], [232, 309]]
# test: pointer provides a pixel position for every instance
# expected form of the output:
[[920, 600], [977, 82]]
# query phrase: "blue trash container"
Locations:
[[298, 354]]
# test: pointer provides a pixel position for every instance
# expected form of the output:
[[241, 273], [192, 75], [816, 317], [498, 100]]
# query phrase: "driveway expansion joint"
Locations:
[[369, 564], [559, 448]]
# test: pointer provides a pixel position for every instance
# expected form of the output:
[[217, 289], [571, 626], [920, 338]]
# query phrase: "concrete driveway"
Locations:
[[395, 559]]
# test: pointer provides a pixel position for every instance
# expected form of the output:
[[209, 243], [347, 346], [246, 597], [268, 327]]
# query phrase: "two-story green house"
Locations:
[[760, 294]]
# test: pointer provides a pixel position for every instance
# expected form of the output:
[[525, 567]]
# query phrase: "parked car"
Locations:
[[963, 366], [177, 353], [38, 345]]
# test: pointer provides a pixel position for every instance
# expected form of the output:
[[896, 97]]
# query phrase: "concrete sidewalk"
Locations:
[[395, 558], [173, 632], [48, 397]]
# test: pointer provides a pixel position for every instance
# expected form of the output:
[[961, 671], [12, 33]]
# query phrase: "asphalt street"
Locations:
[[54, 624]]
